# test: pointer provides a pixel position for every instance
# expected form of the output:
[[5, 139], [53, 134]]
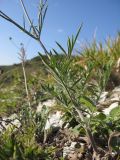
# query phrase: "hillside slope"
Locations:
[[12, 83]]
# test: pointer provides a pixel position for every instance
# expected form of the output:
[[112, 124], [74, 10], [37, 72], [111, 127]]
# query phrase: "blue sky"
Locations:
[[63, 19]]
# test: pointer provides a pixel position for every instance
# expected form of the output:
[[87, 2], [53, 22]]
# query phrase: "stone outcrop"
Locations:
[[109, 100], [54, 119]]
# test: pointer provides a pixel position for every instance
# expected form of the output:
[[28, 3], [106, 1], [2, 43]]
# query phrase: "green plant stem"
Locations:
[[88, 131], [28, 18], [25, 11], [43, 47], [4, 16]]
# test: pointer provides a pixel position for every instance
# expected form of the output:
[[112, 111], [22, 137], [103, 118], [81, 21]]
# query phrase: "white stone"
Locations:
[[116, 89], [69, 149], [39, 107], [106, 111], [16, 123], [103, 97], [13, 122], [116, 98], [48, 103], [54, 120]]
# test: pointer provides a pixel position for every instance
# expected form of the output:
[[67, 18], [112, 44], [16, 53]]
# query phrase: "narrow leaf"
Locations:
[[61, 48], [88, 103]]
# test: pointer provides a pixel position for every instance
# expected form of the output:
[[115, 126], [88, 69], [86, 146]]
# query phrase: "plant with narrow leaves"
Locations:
[[77, 88]]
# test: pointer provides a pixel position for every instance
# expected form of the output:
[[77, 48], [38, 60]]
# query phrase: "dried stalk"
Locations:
[[22, 55]]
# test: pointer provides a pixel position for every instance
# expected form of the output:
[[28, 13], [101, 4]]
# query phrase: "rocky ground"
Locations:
[[67, 142]]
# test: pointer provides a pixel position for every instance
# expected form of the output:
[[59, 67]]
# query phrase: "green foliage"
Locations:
[[22, 146], [115, 113], [75, 82]]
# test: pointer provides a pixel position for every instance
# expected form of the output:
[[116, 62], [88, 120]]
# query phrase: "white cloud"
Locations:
[[60, 30]]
